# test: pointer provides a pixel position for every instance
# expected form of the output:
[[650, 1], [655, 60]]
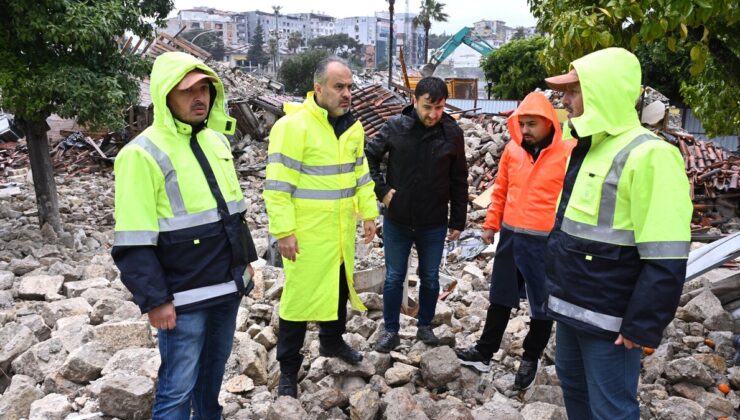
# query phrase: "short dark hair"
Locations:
[[434, 86], [319, 75]]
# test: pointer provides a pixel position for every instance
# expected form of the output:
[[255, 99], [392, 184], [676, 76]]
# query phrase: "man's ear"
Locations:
[[413, 100], [317, 88]]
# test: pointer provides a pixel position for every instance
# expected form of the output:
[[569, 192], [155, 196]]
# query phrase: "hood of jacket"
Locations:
[[169, 68], [533, 104], [610, 83]]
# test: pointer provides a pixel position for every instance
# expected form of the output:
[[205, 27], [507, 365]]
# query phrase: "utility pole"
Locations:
[[390, 44], [276, 9]]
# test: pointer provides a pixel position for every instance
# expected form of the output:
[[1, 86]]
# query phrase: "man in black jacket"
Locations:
[[426, 171]]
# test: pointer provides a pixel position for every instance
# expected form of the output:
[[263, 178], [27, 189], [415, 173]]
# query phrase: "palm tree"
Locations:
[[431, 10], [390, 42]]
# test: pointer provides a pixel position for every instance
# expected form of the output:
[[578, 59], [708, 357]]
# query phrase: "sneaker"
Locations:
[[426, 335], [387, 342], [343, 352], [288, 385], [472, 357], [526, 374]]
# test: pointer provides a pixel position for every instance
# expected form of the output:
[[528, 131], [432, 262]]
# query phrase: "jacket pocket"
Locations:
[[226, 165], [196, 256], [587, 191], [592, 250]]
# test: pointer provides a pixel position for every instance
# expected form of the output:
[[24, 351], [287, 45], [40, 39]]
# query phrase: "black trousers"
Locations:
[[293, 333], [497, 318]]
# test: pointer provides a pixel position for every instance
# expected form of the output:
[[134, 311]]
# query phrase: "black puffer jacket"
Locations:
[[426, 167]]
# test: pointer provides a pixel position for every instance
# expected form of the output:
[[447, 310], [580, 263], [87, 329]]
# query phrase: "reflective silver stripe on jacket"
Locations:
[[324, 194], [320, 170], [169, 224], [171, 186], [603, 321], [604, 230], [532, 232], [365, 179], [203, 293], [135, 238]]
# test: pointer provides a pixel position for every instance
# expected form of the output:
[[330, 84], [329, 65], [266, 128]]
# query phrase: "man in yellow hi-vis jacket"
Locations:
[[181, 241], [616, 258], [317, 186]]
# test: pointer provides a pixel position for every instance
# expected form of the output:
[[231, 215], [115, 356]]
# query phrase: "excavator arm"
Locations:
[[463, 36]]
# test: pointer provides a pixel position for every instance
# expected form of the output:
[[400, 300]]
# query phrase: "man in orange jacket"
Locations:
[[522, 209]]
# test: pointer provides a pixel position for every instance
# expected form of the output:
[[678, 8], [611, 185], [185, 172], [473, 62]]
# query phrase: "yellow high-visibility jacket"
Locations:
[[317, 187]]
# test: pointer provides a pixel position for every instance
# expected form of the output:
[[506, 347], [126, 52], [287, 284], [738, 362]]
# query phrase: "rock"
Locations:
[[85, 364], [65, 308], [55, 383], [136, 361], [41, 359], [328, 398], [334, 366], [115, 336], [713, 361], [127, 397], [40, 287], [26, 265], [37, 325], [716, 405], [51, 407], [364, 404], [439, 366], [351, 384], [260, 311], [495, 410], [6, 279], [442, 314], [449, 408], [73, 331], [16, 402], [67, 271], [361, 325], [103, 307], [252, 358], [654, 365], [381, 361], [266, 337], [286, 408], [677, 408], [373, 301], [400, 374], [16, 339], [76, 288], [733, 374], [399, 404], [708, 310], [545, 393], [688, 369], [543, 411], [239, 384]]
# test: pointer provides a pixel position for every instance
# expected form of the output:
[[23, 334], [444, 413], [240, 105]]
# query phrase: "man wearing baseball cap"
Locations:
[[181, 241], [616, 257]]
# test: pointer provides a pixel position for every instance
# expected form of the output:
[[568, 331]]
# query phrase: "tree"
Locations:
[[209, 41], [296, 73], [431, 10], [518, 33], [515, 68], [295, 40], [436, 41], [255, 53], [663, 69], [391, 45], [62, 57], [704, 30], [340, 44], [272, 47]]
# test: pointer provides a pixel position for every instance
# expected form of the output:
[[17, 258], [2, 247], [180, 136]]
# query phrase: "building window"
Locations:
[[195, 25], [219, 25]]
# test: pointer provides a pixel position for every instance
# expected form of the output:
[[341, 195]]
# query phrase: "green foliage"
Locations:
[[256, 55], [662, 68], [339, 44], [431, 10], [515, 68], [62, 57], [436, 41], [295, 40], [704, 31], [297, 72], [518, 33], [209, 41]]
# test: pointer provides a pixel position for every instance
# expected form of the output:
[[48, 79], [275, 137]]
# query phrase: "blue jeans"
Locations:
[[598, 378], [194, 355], [397, 241]]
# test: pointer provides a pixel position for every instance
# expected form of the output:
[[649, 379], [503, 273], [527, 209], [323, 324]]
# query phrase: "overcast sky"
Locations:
[[461, 12]]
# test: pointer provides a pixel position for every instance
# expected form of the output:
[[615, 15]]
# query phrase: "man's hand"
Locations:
[[369, 228], [388, 197], [163, 316], [288, 247], [488, 235], [453, 235], [627, 343], [250, 270]]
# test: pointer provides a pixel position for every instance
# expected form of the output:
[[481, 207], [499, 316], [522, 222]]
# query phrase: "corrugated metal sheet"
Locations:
[[487, 106], [693, 126]]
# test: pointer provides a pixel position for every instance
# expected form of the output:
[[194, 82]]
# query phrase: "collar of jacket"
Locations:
[[320, 113]]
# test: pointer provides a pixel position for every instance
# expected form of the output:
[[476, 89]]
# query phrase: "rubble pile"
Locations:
[[76, 346]]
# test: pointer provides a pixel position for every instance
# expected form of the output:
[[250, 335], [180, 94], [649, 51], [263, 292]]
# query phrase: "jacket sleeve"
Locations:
[[367, 205], [375, 150], [661, 212], [137, 228], [284, 161], [459, 185], [495, 212]]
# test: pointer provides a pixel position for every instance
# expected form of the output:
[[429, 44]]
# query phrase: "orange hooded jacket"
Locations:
[[525, 193]]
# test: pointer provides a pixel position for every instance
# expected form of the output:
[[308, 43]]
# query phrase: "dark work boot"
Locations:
[[526, 374], [472, 357], [426, 335], [288, 385], [344, 352]]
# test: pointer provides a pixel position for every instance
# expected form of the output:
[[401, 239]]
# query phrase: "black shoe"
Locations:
[[472, 357], [288, 385], [426, 335], [387, 342], [526, 374], [344, 352]]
